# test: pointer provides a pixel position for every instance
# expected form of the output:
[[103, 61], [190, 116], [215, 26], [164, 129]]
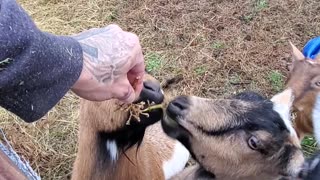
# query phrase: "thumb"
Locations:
[[123, 91]]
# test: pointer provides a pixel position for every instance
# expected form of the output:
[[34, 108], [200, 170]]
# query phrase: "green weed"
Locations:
[[217, 45], [309, 145], [153, 61], [113, 15], [257, 7], [261, 4], [248, 18], [276, 80], [200, 70]]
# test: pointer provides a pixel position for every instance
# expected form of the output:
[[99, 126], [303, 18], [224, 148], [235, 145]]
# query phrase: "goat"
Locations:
[[311, 168], [304, 82], [242, 137], [110, 149]]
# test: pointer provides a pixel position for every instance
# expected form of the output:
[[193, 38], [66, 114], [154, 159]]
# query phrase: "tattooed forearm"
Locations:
[[92, 52], [112, 62], [106, 52]]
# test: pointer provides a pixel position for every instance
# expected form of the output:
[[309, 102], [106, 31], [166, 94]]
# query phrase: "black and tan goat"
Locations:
[[245, 137], [108, 148]]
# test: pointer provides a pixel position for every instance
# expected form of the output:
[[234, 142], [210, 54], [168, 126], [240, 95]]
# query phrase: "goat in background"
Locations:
[[304, 82]]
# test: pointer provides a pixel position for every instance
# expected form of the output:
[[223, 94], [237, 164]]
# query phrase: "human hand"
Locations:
[[113, 65]]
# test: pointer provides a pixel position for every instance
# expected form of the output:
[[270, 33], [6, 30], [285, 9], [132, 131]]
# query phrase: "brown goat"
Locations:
[[304, 81], [110, 149], [243, 137]]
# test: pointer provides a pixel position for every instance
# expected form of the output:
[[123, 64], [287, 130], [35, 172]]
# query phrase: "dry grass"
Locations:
[[219, 47]]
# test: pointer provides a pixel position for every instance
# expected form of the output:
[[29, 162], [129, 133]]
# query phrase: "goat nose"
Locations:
[[151, 86], [178, 107], [151, 92]]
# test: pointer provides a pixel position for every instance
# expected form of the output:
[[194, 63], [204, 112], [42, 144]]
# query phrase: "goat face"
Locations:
[[239, 137], [151, 93], [304, 81], [109, 121]]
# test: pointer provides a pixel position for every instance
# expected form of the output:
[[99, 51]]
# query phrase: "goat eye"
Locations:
[[317, 83], [253, 143]]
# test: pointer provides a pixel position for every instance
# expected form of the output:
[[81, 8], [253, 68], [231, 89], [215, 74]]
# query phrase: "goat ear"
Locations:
[[282, 104], [296, 53]]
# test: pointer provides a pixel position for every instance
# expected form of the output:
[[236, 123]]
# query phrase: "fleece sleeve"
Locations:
[[36, 68]]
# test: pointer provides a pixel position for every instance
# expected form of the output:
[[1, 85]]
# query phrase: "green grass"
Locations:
[[309, 145], [276, 80], [200, 70], [234, 79], [113, 15], [217, 45], [248, 18], [261, 4], [258, 6], [153, 61]]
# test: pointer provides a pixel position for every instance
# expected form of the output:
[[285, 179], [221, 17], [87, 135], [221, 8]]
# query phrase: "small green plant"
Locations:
[[309, 145], [200, 70], [276, 80], [217, 45], [261, 4], [113, 15], [153, 61], [248, 18], [234, 79], [257, 7]]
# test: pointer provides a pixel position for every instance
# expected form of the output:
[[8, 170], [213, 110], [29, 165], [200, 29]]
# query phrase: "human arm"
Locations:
[[38, 68]]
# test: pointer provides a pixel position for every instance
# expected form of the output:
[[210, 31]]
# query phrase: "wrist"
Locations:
[[81, 81]]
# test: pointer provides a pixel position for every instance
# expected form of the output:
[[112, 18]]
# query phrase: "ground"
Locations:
[[219, 47]]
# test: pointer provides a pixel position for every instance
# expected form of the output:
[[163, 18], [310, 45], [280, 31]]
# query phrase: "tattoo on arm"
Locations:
[[105, 51], [92, 52]]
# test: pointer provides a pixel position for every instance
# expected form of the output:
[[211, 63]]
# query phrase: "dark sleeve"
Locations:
[[36, 68]]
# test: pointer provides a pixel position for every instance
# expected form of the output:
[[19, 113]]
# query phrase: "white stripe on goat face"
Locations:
[[316, 118], [282, 103]]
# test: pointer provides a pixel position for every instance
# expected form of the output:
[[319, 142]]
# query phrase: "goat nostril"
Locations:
[[177, 106], [151, 86]]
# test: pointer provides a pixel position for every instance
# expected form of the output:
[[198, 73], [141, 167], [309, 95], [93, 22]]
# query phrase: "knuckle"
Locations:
[[114, 27], [133, 37]]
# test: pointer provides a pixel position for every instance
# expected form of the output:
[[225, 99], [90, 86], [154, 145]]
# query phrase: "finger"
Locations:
[[137, 85], [113, 27], [136, 81], [123, 91], [136, 74]]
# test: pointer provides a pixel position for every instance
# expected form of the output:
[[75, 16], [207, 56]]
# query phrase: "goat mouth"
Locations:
[[170, 121], [173, 128], [286, 176]]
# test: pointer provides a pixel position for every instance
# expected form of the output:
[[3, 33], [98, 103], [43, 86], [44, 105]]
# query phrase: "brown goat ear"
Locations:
[[296, 53]]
